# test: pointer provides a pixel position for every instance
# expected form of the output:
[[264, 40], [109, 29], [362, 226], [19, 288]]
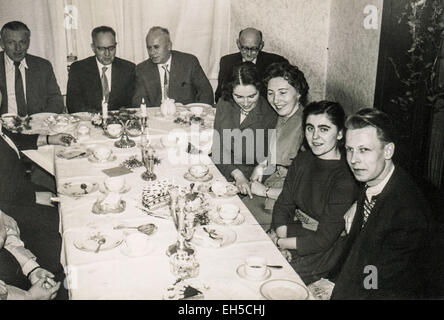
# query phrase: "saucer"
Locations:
[[282, 289], [214, 216], [78, 189], [98, 210], [149, 248], [241, 273], [92, 158], [205, 178]]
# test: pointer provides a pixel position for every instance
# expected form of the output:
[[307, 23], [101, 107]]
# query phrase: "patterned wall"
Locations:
[[296, 29]]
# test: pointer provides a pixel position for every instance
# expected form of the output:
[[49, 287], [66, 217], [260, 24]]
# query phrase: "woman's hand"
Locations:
[[257, 173], [258, 189], [242, 183]]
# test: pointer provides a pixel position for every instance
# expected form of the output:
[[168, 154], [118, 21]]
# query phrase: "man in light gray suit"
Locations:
[[169, 73]]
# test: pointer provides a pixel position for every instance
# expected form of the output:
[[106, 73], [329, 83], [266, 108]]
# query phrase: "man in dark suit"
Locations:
[[170, 74], [100, 77], [27, 82], [250, 45], [390, 228]]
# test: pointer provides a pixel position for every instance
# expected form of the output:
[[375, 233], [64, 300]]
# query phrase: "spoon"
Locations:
[[212, 233], [274, 266], [147, 229], [100, 242]]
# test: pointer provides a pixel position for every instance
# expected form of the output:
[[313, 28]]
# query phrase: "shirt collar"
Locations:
[[375, 190], [100, 65], [10, 63], [254, 61], [166, 63]]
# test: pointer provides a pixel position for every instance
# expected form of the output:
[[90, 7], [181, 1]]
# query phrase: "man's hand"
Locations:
[[62, 139], [40, 291], [349, 216], [41, 273], [44, 198]]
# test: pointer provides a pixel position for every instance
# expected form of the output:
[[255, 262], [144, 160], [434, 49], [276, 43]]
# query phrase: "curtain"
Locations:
[[63, 27]]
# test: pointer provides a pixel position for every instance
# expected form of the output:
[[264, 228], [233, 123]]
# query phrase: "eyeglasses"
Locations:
[[252, 49], [110, 48]]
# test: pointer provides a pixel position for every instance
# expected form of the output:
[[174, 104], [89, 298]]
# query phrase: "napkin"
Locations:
[[201, 237], [117, 171]]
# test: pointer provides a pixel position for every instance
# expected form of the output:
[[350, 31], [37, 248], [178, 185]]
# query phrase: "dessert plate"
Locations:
[[149, 248], [214, 236], [92, 158], [78, 189], [282, 289], [89, 240]]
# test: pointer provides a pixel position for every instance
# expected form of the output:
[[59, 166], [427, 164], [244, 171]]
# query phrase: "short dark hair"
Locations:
[[244, 73], [102, 29], [15, 26], [292, 74], [371, 117], [333, 110]]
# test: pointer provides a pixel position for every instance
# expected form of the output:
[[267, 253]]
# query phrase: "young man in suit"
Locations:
[[100, 77], [250, 46], [390, 227], [27, 82], [169, 73]]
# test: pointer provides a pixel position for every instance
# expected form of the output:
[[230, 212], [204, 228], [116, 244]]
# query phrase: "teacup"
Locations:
[[255, 267], [83, 130], [114, 129], [102, 153], [169, 140], [115, 184], [136, 243], [198, 170], [228, 212]]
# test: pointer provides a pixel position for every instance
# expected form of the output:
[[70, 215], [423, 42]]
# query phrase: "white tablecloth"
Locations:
[[112, 275]]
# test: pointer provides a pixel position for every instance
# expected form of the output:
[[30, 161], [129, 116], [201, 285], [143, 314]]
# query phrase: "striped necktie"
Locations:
[[368, 207], [165, 81], [105, 86]]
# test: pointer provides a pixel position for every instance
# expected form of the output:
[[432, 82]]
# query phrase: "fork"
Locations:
[[212, 233]]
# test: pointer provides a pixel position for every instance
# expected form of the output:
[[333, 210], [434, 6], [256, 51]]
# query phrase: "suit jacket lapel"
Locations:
[[114, 79], [153, 78], [94, 75], [4, 105], [252, 117]]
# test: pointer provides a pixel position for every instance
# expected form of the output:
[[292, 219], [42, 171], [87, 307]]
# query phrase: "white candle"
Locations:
[[104, 109], [143, 108]]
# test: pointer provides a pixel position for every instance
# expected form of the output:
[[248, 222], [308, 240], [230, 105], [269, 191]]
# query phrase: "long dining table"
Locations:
[[113, 273]]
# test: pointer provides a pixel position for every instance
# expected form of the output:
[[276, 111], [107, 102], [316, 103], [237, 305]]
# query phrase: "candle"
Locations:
[[104, 109], [143, 108]]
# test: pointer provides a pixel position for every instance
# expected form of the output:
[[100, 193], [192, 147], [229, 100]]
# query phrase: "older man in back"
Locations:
[[250, 44], [27, 82], [170, 74]]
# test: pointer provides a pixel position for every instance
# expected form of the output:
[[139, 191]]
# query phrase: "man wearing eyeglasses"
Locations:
[[27, 82], [100, 78], [250, 44]]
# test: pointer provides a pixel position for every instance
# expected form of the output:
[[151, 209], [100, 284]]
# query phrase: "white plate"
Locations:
[[282, 289], [203, 105], [202, 238], [148, 249], [214, 216], [74, 189], [67, 153], [41, 117], [88, 240], [241, 273], [125, 189], [92, 158]]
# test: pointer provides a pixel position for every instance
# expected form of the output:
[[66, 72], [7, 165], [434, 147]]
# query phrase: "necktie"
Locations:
[[368, 206], [105, 86], [19, 91], [165, 81]]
